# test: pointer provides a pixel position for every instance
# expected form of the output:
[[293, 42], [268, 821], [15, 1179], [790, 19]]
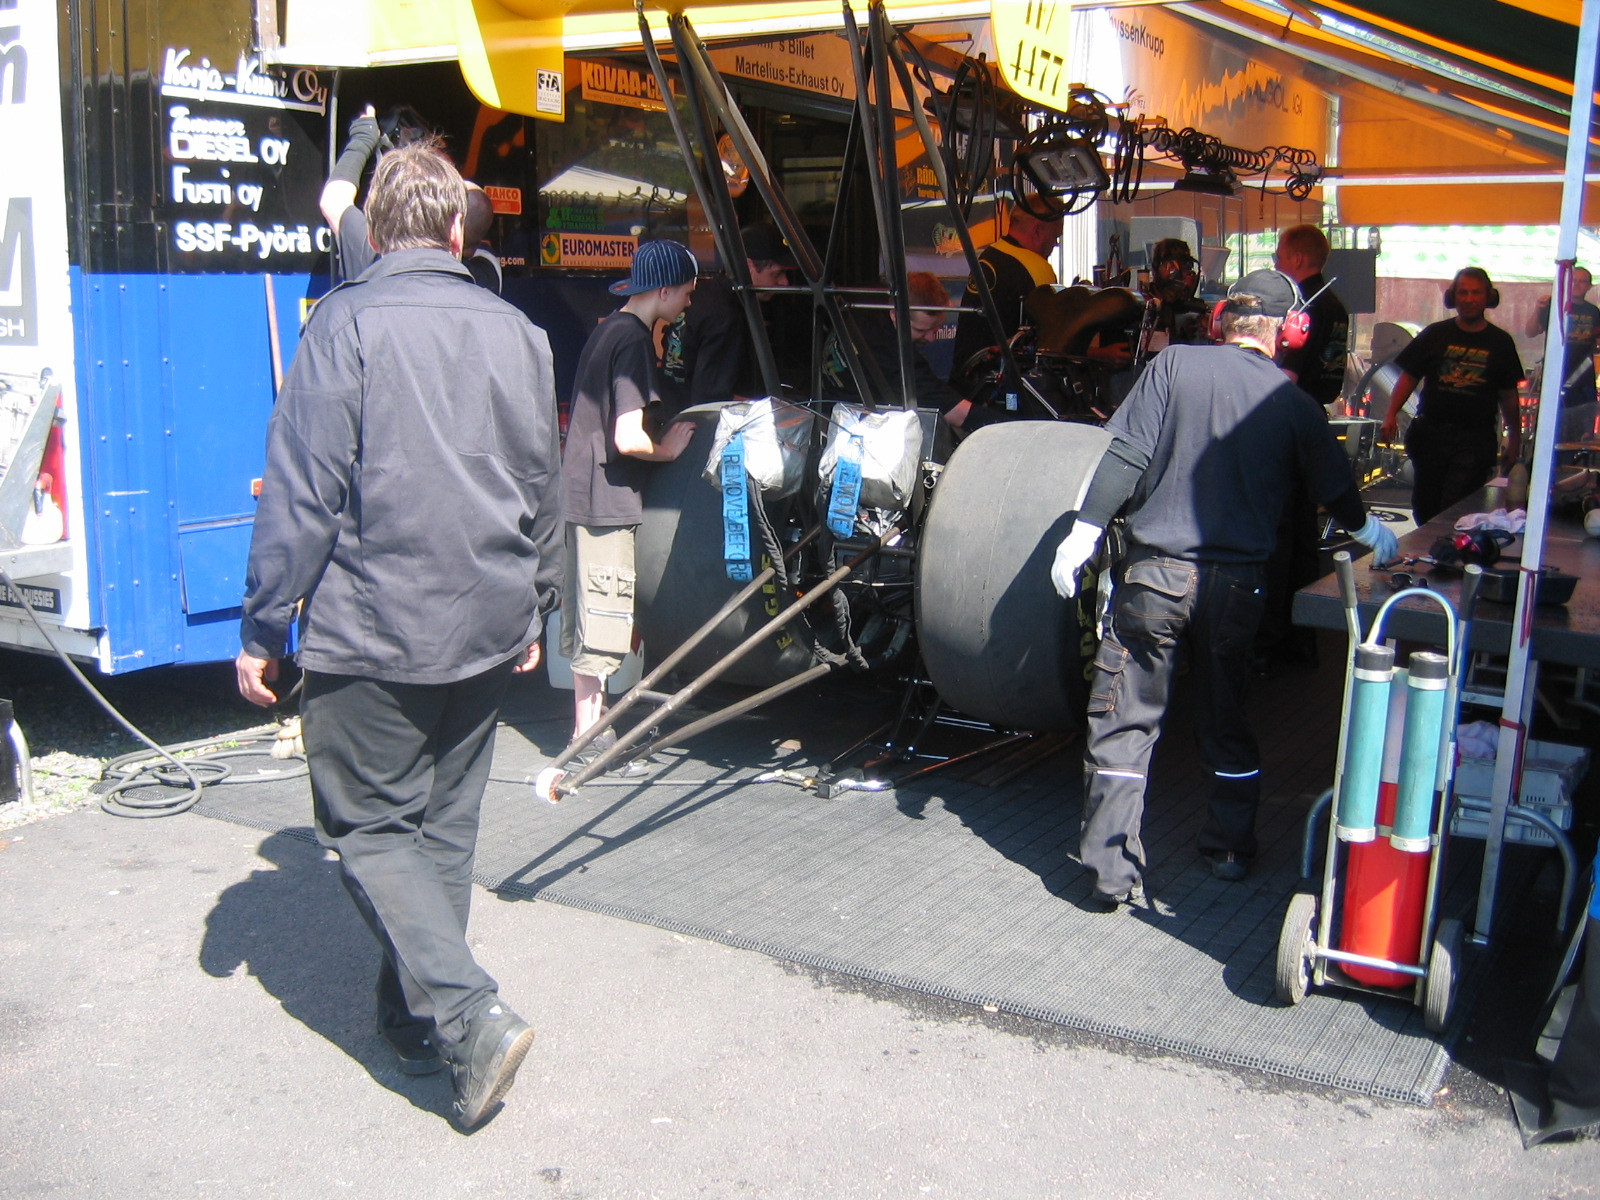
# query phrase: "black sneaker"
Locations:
[[416, 1053], [593, 750], [484, 1064], [1228, 866]]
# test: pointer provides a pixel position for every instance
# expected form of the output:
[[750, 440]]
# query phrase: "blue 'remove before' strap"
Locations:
[[846, 497], [736, 512]]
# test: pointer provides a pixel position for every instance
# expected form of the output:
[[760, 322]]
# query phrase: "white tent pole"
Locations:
[[1522, 674]]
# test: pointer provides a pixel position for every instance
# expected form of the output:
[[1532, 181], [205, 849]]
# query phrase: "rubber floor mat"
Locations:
[[951, 887]]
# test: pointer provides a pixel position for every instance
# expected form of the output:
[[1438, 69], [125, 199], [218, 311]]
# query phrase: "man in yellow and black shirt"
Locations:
[[1012, 267]]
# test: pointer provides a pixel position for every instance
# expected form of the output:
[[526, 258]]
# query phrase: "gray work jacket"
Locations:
[[412, 490]]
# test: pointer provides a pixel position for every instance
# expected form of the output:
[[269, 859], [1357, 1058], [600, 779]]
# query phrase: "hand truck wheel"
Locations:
[[1439, 989], [1295, 947]]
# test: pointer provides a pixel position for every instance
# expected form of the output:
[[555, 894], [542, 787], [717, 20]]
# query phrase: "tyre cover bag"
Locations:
[[998, 643], [678, 554], [889, 449], [777, 437]]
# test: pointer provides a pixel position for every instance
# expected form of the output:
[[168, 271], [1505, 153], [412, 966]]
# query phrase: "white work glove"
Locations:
[[1076, 549], [1375, 534]]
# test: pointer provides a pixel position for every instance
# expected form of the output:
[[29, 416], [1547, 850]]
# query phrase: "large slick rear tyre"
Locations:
[[682, 580], [997, 641]]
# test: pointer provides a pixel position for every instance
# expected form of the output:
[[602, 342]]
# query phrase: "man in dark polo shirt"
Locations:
[[1205, 449], [1012, 266]]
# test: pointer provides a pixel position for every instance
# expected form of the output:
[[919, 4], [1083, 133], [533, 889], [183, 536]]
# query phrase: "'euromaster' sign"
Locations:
[[599, 250]]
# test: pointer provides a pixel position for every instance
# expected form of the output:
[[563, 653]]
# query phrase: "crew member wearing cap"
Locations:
[[1468, 371], [1204, 452], [706, 354], [604, 468]]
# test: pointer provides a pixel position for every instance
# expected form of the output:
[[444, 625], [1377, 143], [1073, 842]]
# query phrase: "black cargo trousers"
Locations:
[[397, 778], [1158, 605]]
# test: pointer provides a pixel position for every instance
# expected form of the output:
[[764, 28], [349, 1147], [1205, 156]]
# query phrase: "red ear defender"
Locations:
[[1295, 330], [1214, 327]]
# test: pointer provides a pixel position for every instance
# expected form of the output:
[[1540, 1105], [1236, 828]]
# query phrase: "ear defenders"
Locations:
[[1293, 331], [1476, 273]]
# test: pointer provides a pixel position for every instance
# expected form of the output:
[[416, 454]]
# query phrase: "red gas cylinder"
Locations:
[[1385, 889]]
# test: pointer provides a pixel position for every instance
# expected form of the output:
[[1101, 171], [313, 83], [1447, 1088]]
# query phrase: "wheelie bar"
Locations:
[[559, 784]]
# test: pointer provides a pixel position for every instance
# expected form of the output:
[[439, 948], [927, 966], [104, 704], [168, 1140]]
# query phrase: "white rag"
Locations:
[[1477, 739], [1512, 522]]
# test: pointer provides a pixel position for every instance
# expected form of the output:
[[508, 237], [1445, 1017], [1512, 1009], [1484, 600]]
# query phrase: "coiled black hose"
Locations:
[[172, 771]]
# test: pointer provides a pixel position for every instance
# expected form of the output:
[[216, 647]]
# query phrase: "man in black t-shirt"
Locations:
[[604, 468], [1468, 371], [1318, 367], [1204, 452]]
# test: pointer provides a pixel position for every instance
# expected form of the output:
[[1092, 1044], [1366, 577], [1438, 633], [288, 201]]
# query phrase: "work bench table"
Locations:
[[1563, 633]]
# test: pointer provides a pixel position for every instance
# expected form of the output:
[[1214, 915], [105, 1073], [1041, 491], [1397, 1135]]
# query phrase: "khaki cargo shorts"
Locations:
[[597, 599]]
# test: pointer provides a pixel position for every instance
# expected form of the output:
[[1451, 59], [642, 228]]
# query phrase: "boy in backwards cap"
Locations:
[[604, 469]]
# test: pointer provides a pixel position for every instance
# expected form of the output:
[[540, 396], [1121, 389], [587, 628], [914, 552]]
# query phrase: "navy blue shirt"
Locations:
[[1227, 435]]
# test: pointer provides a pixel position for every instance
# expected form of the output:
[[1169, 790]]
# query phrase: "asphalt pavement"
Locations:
[[185, 1010]]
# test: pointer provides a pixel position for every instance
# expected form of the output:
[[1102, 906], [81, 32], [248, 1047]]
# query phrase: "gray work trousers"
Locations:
[[1160, 604], [397, 778]]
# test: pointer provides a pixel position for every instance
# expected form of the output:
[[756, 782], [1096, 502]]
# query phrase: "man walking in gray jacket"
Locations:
[[410, 509]]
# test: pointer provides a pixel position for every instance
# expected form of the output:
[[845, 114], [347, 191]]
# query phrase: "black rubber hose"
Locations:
[[172, 773]]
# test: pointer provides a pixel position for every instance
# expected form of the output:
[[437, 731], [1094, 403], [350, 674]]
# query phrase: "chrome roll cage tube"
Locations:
[[877, 65]]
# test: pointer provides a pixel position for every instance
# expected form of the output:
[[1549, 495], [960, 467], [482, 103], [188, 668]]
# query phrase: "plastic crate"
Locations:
[[1550, 774]]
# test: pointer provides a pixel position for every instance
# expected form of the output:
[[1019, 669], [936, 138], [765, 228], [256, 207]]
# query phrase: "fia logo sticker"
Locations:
[[549, 98]]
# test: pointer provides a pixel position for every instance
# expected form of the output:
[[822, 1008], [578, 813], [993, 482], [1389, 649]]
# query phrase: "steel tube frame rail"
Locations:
[[645, 688], [702, 79], [716, 201], [1522, 671], [678, 699], [936, 162]]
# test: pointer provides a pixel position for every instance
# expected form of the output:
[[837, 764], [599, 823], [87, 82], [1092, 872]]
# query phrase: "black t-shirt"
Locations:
[[1460, 373], [355, 252], [1319, 364], [706, 354], [616, 375], [1577, 366], [1011, 273], [1227, 435]]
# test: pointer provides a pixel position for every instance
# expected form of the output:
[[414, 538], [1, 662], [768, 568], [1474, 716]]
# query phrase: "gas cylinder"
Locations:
[[1385, 889]]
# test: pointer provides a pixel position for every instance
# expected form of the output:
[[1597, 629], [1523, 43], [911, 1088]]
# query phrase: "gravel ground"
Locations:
[[71, 738]]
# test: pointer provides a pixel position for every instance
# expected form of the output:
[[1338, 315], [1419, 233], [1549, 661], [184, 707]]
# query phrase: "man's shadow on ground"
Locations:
[[293, 927]]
